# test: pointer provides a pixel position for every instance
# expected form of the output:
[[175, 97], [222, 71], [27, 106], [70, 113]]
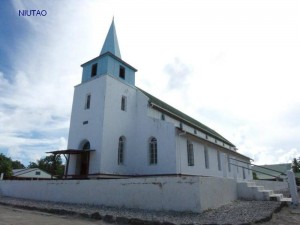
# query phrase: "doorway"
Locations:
[[84, 159]]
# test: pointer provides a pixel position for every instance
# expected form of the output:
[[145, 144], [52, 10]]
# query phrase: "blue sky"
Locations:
[[10, 30], [233, 65]]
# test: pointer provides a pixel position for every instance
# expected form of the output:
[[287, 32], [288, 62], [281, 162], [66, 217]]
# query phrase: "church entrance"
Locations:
[[82, 156], [84, 159], [84, 167]]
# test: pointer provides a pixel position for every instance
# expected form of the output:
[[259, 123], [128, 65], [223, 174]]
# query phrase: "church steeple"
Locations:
[[109, 62], [111, 42]]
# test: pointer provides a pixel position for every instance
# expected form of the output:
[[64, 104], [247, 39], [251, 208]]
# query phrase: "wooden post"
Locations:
[[53, 165], [67, 165]]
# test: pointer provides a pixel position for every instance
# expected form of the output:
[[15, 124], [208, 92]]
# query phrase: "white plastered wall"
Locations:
[[199, 167], [185, 193], [92, 131], [133, 124]]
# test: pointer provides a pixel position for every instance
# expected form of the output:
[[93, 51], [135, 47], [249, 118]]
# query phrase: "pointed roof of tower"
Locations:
[[111, 42]]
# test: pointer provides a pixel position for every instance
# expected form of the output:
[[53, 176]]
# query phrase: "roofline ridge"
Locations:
[[216, 135]]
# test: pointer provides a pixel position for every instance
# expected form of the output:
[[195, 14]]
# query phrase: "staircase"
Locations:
[[248, 190]]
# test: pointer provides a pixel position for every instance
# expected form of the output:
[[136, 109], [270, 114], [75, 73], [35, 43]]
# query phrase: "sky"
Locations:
[[232, 65]]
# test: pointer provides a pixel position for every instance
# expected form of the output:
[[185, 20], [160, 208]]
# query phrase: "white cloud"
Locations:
[[178, 74], [30, 150]]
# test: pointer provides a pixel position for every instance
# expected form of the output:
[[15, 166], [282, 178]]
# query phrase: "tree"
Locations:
[[5, 166], [296, 165], [32, 165], [17, 165]]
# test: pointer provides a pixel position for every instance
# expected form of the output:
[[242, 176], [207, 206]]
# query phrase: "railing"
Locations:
[[248, 168]]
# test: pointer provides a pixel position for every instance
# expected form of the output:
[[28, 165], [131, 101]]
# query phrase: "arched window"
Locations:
[[121, 149], [86, 145], [190, 153], [153, 151]]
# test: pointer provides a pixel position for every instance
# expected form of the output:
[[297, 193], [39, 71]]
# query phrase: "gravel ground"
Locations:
[[238, 212]]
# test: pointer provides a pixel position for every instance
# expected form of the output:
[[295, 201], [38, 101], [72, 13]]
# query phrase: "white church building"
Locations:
[[118, 130]]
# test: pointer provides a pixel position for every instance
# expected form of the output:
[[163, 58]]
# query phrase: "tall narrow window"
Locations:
[[162, 116], [206, 157], [122, 72], [229, 163], [121, 149], [219, 161], [94, 70], [88, 101], [190, 153], [153, 151], [123, 103]]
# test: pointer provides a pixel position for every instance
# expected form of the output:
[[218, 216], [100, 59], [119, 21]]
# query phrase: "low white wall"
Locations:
[[215, 192], [184, 193], [273, 185]]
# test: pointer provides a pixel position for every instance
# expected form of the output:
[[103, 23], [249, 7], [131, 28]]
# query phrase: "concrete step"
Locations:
[[250, 191], [249, 183], [260, 188], [276, 197], [264, 195], [288, 200], [252, 185], [270, 192]]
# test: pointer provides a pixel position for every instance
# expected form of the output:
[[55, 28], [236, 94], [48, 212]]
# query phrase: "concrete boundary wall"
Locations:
[[273, 185], [185, 193]]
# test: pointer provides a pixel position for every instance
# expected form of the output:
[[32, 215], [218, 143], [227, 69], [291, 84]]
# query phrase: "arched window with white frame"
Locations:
[[153, 151]]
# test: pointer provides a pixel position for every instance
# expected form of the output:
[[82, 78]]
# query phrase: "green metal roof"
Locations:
[[281, 168], [185, 118]]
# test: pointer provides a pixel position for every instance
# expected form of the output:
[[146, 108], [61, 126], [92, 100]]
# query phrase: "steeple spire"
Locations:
[[111, 42]]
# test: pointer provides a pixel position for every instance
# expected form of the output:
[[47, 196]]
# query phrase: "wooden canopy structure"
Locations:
[[85, 153]]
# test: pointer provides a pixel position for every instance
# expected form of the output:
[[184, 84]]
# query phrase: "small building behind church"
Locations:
[[30, 174], [118, 129]]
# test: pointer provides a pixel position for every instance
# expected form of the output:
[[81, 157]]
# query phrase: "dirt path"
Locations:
[[287, 216], [13, 216]]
